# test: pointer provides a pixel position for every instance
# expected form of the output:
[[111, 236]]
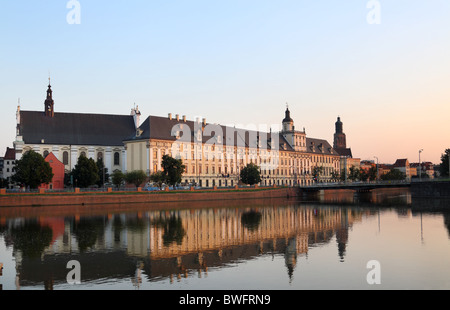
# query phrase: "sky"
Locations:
[[383, 66]]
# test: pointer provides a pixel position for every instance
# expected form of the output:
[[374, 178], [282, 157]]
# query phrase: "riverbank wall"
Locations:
[[48, 199], [434, 189]]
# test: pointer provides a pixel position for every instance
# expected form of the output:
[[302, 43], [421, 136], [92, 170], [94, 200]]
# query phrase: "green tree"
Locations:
[[32, 170], [136, 177], [316, 172], [354, 173], [158, 178], [172, 169], [117, 178], [372, 173], [363, 174], [335, 175], [250, 174], [444, 163], [103, 175], [393, 175], [85, 173]]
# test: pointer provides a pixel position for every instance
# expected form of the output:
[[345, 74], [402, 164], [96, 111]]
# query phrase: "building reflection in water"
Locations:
[[171, 245]]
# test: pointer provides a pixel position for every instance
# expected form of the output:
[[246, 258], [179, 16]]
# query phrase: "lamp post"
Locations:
[[377, 168], [420, 166]]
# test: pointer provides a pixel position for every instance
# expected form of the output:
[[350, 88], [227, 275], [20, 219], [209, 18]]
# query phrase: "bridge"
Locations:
[[356, 186]]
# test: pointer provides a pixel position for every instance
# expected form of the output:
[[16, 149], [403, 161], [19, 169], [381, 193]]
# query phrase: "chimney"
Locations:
[[170, 116], [184, 118], [204, 122], [178, 117]]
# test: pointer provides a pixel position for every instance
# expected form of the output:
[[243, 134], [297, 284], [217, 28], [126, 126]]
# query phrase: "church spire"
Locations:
[[49, 103]]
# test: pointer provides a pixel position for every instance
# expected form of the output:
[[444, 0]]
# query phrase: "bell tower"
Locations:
[[340, 141], [49, 103]]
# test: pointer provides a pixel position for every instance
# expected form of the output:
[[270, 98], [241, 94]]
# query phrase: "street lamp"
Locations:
[[420, 166]]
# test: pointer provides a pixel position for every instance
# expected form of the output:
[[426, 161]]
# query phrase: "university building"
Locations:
[[213, 154]]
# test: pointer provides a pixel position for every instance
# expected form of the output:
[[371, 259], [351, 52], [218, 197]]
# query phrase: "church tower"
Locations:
[[296, 139], [288, 123], [49, 103], [340, 141]]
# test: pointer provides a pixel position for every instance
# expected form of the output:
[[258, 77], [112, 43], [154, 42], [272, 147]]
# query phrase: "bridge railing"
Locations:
[[356, 184]]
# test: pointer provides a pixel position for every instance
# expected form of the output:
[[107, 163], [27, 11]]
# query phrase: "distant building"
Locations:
[[403, 166], [425, 168], [8, 165], [58, 173]]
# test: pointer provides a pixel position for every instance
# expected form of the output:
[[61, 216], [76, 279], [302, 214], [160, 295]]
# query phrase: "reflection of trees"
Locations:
[[173, 229], [136, 224], [86, 230], [117, 227], [446, 216], [31, 238], [251, 220]]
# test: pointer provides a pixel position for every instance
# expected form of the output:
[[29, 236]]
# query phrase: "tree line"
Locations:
[[32, 170]]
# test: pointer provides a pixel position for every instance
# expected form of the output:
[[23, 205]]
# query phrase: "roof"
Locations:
[[287, 118], [344, 151], [75, 128], [161, 128], [320, 146], [10, 154], [401, 163]]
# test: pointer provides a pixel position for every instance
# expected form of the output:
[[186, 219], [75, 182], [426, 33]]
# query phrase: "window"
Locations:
[[116, 158], [45, 153], [83, 154], [100, 156], [66, 158]]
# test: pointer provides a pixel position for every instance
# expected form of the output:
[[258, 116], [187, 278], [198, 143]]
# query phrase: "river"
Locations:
[[378, 241]]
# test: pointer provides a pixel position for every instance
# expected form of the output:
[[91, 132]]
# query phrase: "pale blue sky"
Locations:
[[240, 62]]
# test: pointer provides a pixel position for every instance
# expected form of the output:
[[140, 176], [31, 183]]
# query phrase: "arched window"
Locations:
[[99, 155], [66, 158], [116, 158], [83, 154], [45, 153]]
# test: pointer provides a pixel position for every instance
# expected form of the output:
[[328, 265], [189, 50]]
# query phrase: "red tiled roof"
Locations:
[[10, 154]]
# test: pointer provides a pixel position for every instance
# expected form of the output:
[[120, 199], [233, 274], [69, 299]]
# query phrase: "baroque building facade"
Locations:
[[213, 154]]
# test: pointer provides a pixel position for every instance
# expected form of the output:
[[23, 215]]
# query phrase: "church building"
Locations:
[[69, 135]]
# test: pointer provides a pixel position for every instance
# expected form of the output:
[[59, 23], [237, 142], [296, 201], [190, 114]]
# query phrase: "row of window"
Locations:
[[99, 156]]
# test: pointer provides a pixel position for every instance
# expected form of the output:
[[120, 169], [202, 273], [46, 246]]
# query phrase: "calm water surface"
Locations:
[[276, 244]]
